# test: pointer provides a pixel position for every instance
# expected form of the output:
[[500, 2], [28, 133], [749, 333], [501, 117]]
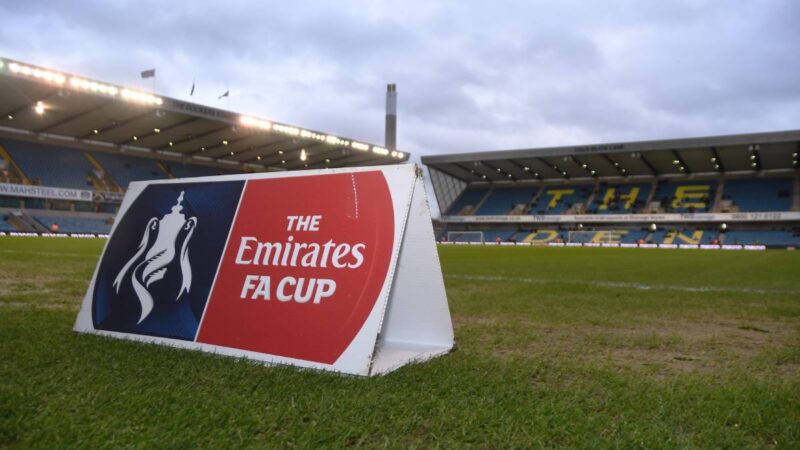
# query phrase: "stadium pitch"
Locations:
[[577, 347]]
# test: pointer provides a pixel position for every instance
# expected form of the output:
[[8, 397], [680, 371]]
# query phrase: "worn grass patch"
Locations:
[[556, 348]]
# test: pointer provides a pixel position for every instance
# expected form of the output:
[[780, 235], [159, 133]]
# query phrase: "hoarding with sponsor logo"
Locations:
[[334, 270], [629, 218], [55, 193]]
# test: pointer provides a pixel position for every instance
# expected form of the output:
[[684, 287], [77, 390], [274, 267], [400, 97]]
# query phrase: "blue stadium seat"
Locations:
[[468, 197], [125, 169], [559, 199], [502, 200], [768, 194], [620, 199], [5, 225], [75, 225], [543, 236], [633, 236], [767, 237], [684, 236], [489, 236], [610, 235], [686, 197], [187, 171], [53, 166], [492, 235]]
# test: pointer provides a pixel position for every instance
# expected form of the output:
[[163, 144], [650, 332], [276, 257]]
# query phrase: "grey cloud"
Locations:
[[472, 75]]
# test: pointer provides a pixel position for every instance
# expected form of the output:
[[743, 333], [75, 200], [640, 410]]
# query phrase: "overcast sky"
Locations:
[[471, 75]]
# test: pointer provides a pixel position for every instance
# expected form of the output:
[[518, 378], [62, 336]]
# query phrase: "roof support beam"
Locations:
[[681, 163], [318, 158], [648, 164], [72, 117], [475, 170], [254, 153], [467, 177], [496, 171], [18, 110], [521, 168], [226, 145], [585, 167], [115, 125], [716, 160], [197, 136], [354, 159], [622, 171], [333, 155], [289, 152], [166, 129], [553, 168]]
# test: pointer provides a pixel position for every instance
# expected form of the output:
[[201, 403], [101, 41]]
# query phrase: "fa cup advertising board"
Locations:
[[332, 270]]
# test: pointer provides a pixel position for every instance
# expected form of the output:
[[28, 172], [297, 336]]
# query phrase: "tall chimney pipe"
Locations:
[[391, 116]]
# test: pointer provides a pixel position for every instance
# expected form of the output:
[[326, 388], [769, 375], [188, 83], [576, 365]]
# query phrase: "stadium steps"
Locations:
[[165, 169], [105, 182], [534, 200], [716, 206], [15, 169], [592, 196], [24, 222], [483, 200], [18, 223], [651, 195], [5, 224], [796, 194]]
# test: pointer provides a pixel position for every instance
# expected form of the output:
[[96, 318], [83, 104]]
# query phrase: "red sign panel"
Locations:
[[304, 265]]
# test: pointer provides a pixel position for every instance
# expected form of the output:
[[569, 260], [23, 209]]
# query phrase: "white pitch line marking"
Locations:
[[621, 284]]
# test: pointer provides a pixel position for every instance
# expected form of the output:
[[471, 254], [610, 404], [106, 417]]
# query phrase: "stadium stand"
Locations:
[[489, 236], [620, 198], [75, 225], [608, 236], [772, 194], [768, 238], [99, 137], [125, 169], [5, 225], [503, 235], [544, 236], [468, 202], [742, 189], [50, 166], [562, 199], [187, 171], [684, 236], [684, 197], [53, 166], [507, 201]]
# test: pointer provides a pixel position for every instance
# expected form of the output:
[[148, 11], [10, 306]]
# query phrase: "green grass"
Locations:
[[557, 347]]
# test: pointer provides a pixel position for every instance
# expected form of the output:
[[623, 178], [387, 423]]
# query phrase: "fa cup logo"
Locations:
[[164, 247]]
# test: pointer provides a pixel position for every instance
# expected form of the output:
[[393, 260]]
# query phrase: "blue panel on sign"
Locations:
[[156, 273]]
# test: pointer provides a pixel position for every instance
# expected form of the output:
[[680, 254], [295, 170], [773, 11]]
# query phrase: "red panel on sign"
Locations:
[[304, 265]]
